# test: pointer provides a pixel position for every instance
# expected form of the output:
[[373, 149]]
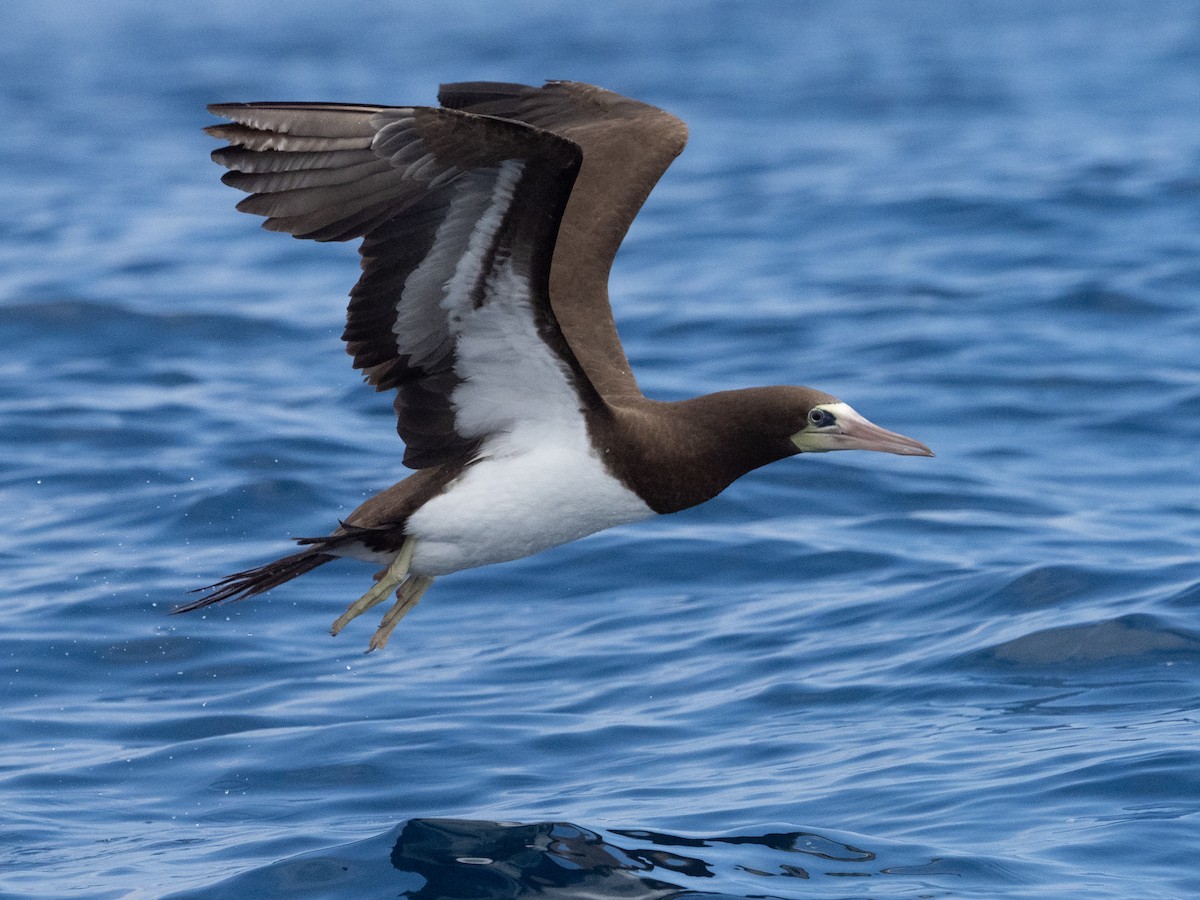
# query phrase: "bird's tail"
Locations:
[[245, 584]]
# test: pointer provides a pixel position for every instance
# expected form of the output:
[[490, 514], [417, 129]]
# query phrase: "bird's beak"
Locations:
[[852, 431]]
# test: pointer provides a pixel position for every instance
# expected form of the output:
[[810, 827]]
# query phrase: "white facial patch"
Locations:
[[815, 438]]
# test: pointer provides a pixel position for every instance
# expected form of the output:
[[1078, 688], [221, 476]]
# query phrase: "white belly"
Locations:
[[511, 506]]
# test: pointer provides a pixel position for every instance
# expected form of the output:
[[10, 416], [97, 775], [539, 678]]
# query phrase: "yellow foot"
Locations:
[[406, 598], [390, 579]]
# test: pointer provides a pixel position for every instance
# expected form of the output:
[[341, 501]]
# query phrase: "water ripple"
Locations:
[[976, 675]]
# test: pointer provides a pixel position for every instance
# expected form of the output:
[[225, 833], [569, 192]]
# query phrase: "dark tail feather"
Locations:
[[241, 585]]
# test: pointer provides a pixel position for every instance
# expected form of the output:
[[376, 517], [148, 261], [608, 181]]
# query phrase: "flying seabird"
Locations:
[[488, 226]]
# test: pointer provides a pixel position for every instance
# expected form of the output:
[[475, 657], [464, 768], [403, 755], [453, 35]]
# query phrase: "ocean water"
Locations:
[[849, 676]]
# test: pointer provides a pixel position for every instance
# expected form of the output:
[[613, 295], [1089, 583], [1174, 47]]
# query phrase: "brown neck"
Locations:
[[677, 455]]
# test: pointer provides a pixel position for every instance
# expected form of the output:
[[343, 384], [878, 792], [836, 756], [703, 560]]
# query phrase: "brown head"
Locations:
[[680, 454]]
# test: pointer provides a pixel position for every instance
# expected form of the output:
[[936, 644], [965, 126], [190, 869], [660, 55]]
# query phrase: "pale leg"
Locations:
[[392, 578], [406, 598]]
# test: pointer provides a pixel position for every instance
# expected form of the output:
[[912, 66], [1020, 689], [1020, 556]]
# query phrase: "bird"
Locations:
[[488, 226]]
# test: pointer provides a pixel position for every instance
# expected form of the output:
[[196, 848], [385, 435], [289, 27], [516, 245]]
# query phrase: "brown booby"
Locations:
[[488, 226]]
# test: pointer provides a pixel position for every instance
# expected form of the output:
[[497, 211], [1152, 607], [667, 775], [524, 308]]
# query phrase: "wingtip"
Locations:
[[225, 110]]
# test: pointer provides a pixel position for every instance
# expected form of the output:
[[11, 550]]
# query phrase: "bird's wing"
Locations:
[[458, 213], [626, 146]]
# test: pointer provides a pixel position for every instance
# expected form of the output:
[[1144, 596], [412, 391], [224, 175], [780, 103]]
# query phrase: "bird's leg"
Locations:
[[393, 576], [406, 598]]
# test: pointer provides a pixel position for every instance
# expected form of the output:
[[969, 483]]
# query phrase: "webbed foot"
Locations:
[[406, 598], [391, 579]]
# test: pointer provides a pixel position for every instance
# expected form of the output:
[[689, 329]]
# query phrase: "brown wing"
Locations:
[[458, 215], [626, 146]]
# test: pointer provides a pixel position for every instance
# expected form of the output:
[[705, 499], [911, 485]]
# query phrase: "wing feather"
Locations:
[[626, 145], [458, 215]]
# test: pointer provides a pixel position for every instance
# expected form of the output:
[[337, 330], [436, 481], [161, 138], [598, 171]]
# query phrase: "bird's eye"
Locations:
[[820, 418]]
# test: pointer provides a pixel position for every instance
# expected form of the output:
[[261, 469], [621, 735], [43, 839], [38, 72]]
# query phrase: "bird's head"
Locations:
[[830, 424]]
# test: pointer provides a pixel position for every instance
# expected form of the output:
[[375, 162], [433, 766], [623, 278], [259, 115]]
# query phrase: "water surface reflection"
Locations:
[[448, 859]]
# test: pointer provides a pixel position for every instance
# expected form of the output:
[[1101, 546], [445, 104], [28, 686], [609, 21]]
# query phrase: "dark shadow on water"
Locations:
[[448, 859]]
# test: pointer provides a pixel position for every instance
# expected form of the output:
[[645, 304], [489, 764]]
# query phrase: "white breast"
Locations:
[[537, 483], [536, 489]]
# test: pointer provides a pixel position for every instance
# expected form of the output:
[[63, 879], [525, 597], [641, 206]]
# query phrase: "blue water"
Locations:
[[849, 676]]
